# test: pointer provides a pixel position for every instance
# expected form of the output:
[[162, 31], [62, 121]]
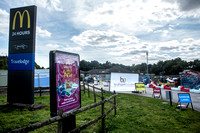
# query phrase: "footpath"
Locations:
[[195, 97]]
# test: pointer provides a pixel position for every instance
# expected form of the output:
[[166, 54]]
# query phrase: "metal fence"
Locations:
[[41, 78], [3, 77]]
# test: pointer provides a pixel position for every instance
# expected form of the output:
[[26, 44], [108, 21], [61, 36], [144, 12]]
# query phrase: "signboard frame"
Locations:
[[186, 100], [121, 81], [21, 57], [55, 93]]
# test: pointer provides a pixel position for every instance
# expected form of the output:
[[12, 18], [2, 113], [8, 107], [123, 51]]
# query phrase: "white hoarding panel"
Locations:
[[123, 81]]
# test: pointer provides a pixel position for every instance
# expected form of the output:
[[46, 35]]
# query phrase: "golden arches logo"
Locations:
[[21, 17]]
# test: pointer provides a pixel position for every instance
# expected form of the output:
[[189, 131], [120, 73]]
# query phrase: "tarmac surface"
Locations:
[[195, 97]]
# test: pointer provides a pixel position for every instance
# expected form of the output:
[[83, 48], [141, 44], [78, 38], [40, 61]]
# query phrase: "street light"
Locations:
[[147, 61]]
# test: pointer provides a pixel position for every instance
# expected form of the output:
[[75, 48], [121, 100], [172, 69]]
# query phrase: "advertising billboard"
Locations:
[[123, 81], [64, 82], [140, 87], [21, 57]]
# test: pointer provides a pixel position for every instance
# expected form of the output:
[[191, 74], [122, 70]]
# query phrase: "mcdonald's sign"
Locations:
[[21, 17], [23, 23], [21, 57]]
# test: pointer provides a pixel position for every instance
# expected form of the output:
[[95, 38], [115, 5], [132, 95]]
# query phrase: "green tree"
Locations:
[[84, 65], [107, 65], [38, 66], [194, 65], [4, 62]]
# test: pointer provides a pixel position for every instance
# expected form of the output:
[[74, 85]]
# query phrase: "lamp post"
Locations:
[[147, 62]]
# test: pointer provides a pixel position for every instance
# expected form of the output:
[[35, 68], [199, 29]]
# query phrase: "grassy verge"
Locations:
[[134, 114]]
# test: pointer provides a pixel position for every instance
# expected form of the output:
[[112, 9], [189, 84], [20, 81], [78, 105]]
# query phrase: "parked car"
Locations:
[[89, 80]]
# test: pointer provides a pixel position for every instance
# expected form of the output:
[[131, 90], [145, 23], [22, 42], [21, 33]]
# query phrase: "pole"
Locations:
[[94, 94], [170, 97], [102, 112], [147, 62], [39, 84], [84, 86], [88, 91], [115, 112], [66, 124]]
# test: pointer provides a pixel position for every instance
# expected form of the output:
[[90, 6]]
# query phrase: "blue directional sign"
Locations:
[[184, 98]]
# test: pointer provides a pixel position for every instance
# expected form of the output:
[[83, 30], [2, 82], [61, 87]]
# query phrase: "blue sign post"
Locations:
[[184, 98]]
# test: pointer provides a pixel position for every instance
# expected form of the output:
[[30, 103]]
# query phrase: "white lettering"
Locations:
[[21, 33], [25, 62], [13, 33]]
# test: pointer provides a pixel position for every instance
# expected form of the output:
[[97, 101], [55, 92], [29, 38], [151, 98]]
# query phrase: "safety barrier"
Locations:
[[180, 88]]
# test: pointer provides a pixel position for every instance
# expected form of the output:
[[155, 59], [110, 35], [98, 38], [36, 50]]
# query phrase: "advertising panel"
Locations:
[[140, 87], [65, 83], [123, 81]]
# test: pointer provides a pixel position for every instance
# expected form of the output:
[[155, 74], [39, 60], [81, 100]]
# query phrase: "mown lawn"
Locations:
[[134, 114]]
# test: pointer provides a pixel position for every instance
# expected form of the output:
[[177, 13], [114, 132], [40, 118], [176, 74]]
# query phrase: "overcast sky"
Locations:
[[119, 31]]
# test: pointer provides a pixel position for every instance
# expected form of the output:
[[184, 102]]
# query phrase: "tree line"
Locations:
[[168, 67]]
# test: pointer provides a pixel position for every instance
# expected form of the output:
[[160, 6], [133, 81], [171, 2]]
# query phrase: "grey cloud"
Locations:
[[96, 40], [194, 47], [135, 52], [110, 12], [108, 38], [187, 5], [191, 48], [156, 57], [168, 48]]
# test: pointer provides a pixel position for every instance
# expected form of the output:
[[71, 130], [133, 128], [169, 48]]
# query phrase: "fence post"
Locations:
[[66, 124], [102, 112], [115, 104], [94, 94], [170, 97], [88, 91], [84, 86], [39, 84]]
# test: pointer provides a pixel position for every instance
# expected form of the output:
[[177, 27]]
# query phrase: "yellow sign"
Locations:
[[140, 87], [21, 17]]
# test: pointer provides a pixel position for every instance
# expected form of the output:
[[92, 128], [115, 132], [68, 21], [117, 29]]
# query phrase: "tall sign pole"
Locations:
[[147, 62], [21, 58]]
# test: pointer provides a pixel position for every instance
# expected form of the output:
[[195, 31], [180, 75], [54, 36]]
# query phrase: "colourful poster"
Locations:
[[67, 81]]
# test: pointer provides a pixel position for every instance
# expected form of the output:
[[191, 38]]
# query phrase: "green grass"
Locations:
[[134, 114]]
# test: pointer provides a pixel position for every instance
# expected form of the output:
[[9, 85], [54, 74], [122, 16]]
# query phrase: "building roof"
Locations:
[[108, 71], [96, 71], [117, 69]]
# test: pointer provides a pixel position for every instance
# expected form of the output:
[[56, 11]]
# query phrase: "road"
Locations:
[[195, 97]]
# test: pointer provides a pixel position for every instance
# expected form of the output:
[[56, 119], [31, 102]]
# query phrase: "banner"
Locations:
[[140, 87], [123, 81], [64, 82]]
